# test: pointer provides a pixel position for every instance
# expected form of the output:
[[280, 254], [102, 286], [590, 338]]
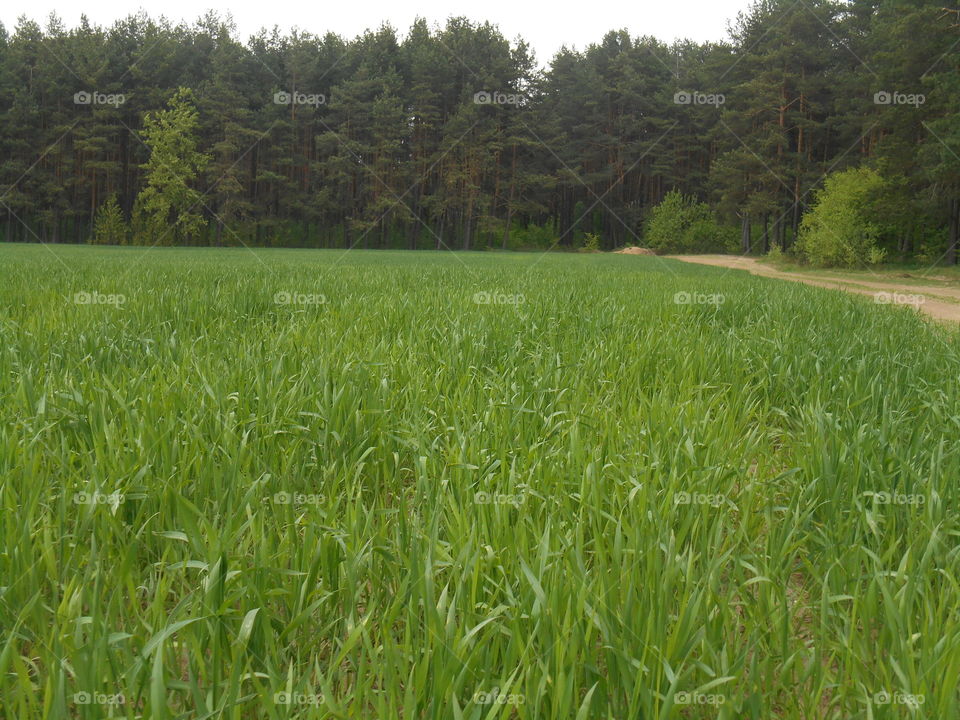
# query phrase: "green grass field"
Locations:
[[433, 485]]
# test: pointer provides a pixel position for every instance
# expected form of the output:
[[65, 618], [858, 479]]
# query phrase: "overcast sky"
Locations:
[[545, 25]]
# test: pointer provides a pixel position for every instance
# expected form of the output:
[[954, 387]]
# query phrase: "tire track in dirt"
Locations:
[[942, 303]]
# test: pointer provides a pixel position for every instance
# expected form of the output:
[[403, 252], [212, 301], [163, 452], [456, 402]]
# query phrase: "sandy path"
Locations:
[[942, 303]]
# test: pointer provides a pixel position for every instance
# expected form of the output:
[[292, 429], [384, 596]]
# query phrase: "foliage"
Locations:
[[345, 478], [682, 224], [841, 228], [532, 236], [109, 227], [169, 202], [591, 242], [378, 141]]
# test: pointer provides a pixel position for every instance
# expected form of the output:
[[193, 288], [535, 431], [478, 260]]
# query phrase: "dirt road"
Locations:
[[942, 303]]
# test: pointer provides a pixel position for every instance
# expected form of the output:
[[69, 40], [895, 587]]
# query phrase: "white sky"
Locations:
[[546, 26]]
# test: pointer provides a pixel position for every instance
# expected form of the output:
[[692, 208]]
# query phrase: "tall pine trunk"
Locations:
[[954, 231]]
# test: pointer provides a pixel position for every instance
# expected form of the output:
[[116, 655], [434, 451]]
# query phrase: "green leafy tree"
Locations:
[[169, 201], [841, 229], [681, 224], [109, 227], [391, 149]]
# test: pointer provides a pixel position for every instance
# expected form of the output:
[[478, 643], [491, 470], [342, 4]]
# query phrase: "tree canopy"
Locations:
[[453, 136]]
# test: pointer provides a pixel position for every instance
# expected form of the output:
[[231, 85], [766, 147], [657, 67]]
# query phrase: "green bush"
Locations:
[[591, 242], [532, 236], [681, 224], [841, 230], [109, 227]]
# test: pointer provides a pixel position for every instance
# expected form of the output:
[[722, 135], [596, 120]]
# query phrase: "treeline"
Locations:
[[454, 136]]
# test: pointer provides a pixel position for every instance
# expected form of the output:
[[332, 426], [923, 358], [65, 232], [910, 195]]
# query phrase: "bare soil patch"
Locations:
[[634, 250], [942, 303]]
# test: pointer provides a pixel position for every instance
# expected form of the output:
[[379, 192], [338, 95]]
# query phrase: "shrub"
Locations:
[[532, 236], [591, 242], [840, 229], [109, 227], [681, 224]]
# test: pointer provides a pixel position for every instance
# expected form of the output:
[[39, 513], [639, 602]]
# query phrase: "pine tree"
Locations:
[[109, 227]]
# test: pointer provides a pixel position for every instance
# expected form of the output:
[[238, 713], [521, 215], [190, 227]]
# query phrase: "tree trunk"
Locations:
[[513, 184], [954, 231], [467, 226], [796, 219]]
